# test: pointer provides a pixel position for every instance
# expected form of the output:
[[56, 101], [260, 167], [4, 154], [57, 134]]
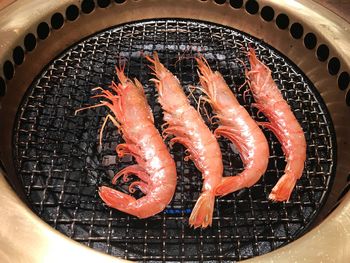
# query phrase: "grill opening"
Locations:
[[61, 165]]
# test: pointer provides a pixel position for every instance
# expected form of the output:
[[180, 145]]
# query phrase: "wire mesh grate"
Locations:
[[61, 165]]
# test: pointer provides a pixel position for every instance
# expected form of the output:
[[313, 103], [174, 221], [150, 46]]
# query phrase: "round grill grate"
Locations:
[[61, 165]]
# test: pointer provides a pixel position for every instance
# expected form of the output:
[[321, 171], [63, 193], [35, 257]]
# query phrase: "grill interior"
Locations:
[[61, 165]]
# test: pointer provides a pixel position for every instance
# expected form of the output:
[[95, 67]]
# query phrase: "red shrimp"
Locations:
[[236, 125], [155, 167], [189, 129], [282, 123]]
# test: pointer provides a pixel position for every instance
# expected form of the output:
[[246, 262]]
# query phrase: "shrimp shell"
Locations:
[[282, 123], [189, 129], [236, 125], [155, 167]]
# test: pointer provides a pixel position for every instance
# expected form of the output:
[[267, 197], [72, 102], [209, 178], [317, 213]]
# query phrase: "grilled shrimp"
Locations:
[[282, 123], [155, 167], [189, 129], [236, 125]]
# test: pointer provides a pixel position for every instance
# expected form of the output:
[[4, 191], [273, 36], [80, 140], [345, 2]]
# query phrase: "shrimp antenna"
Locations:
[[205, 100], [182, 57], [192, 88], [250, 47], [201, 90], [122, 60], [90, 107], [246, 81], [243, 64], [203, 59], [202, 99], [241, 86], [148, 57]]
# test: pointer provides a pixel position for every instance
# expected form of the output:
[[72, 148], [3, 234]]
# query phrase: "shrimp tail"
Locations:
[[229, 184], [115, 199], [141, 208], [202, 214], [284, 188]]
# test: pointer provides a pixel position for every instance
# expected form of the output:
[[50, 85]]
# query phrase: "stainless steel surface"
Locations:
[[5, 3], [339, 7], [57, 158], [328, 242], [328, 27], [26, 238]]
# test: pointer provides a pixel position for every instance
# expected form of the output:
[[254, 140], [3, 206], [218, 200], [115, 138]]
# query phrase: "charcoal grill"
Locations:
[[52, 165]]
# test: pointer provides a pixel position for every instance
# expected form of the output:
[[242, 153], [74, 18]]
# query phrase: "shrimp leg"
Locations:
[[133, 169]]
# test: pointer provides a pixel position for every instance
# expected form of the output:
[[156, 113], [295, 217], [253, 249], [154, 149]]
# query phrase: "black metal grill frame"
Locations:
[[61, 166]]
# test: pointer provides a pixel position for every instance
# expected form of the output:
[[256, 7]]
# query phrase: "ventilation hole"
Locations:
[[220, 2], [347, 98], [57, 21], [282, 21], [252, 7], [18, 55], [267, 13], [236, 3], [119, 1], [2, 87], [310, 40], [333, 66], [43, 30], [343, 83], [72, 12], [29, 42], [296, 30], [87, 6], [103, 3], [322, 52], [8, 70]]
